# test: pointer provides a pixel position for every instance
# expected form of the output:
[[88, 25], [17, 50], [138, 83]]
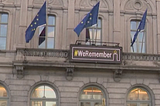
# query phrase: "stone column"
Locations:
[[71, 36], [22, 24], [116, 15], [158, 25]]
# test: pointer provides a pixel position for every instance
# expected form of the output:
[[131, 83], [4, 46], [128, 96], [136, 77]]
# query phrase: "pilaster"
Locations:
[[71, 37], [158, 25], [116, 30]]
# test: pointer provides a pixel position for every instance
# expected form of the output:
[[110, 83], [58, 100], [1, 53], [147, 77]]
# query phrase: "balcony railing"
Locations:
[[21, 53], [140, 57]]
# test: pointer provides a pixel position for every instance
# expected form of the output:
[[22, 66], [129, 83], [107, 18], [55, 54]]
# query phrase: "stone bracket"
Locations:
[[69, 73], [19, 71], [117, 75]]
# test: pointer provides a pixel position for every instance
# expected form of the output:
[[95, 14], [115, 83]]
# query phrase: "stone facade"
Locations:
[[23, 66]]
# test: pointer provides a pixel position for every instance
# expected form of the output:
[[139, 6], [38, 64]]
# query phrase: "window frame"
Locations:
[[138, 43], [8, 95], [44, 100], [94, 29], [145, 88], [3, 23], [92, 100], [47, 31]]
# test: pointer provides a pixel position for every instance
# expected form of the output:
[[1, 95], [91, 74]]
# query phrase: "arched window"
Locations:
[[43, 95], [3, 30], [3, 96], [47, 34], [138, 97], [95, 32], [92, 96], [139, 45]]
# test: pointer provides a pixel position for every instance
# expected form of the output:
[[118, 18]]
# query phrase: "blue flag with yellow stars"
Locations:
[[89, 20], [40, 19], [140, 27]]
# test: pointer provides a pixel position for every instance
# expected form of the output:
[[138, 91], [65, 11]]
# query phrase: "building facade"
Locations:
[[45, 74]]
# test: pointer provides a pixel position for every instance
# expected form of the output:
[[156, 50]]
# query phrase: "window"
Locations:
[[138, 97], [92, 96], [95, 32], [3, 96], [139, 45], [3, 30], [48, 40], [43, 95]]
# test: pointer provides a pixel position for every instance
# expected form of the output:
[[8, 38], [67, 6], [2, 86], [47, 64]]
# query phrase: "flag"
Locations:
[[140, 27], [40, 19], [42, 36], [87, 35], [89, 20]]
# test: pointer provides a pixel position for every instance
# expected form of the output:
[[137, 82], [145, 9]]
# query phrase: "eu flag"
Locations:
[[40, 19], [89, 20], [140, 27]]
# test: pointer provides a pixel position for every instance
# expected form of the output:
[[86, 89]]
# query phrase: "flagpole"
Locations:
[[132, 45]]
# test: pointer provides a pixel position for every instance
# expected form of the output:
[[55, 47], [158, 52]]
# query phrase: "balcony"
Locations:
[[60, 58]]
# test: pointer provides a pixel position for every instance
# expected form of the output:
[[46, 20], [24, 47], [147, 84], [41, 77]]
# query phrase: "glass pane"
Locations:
[[144, 104], [3, 92], [134, 47], [143, 95], [132, 104], [50, 103], [50, 31], [38, 92], [141, 37], [87, 93], [133, 25], [143, 49], [4, 18], [2, 43], [91, 33], [40, 29], [133, 95], [51, 20], [85, 104], [42, 45], [98, 36], [97, 94], [3, 103], [132, 34], [3, 30], [49, 92], [36, 103], [50, 43], [99, 23]]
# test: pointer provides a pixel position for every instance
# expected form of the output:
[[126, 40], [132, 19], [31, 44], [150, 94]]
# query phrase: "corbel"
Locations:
[[69, 73], [117, 75], [20, 71]]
